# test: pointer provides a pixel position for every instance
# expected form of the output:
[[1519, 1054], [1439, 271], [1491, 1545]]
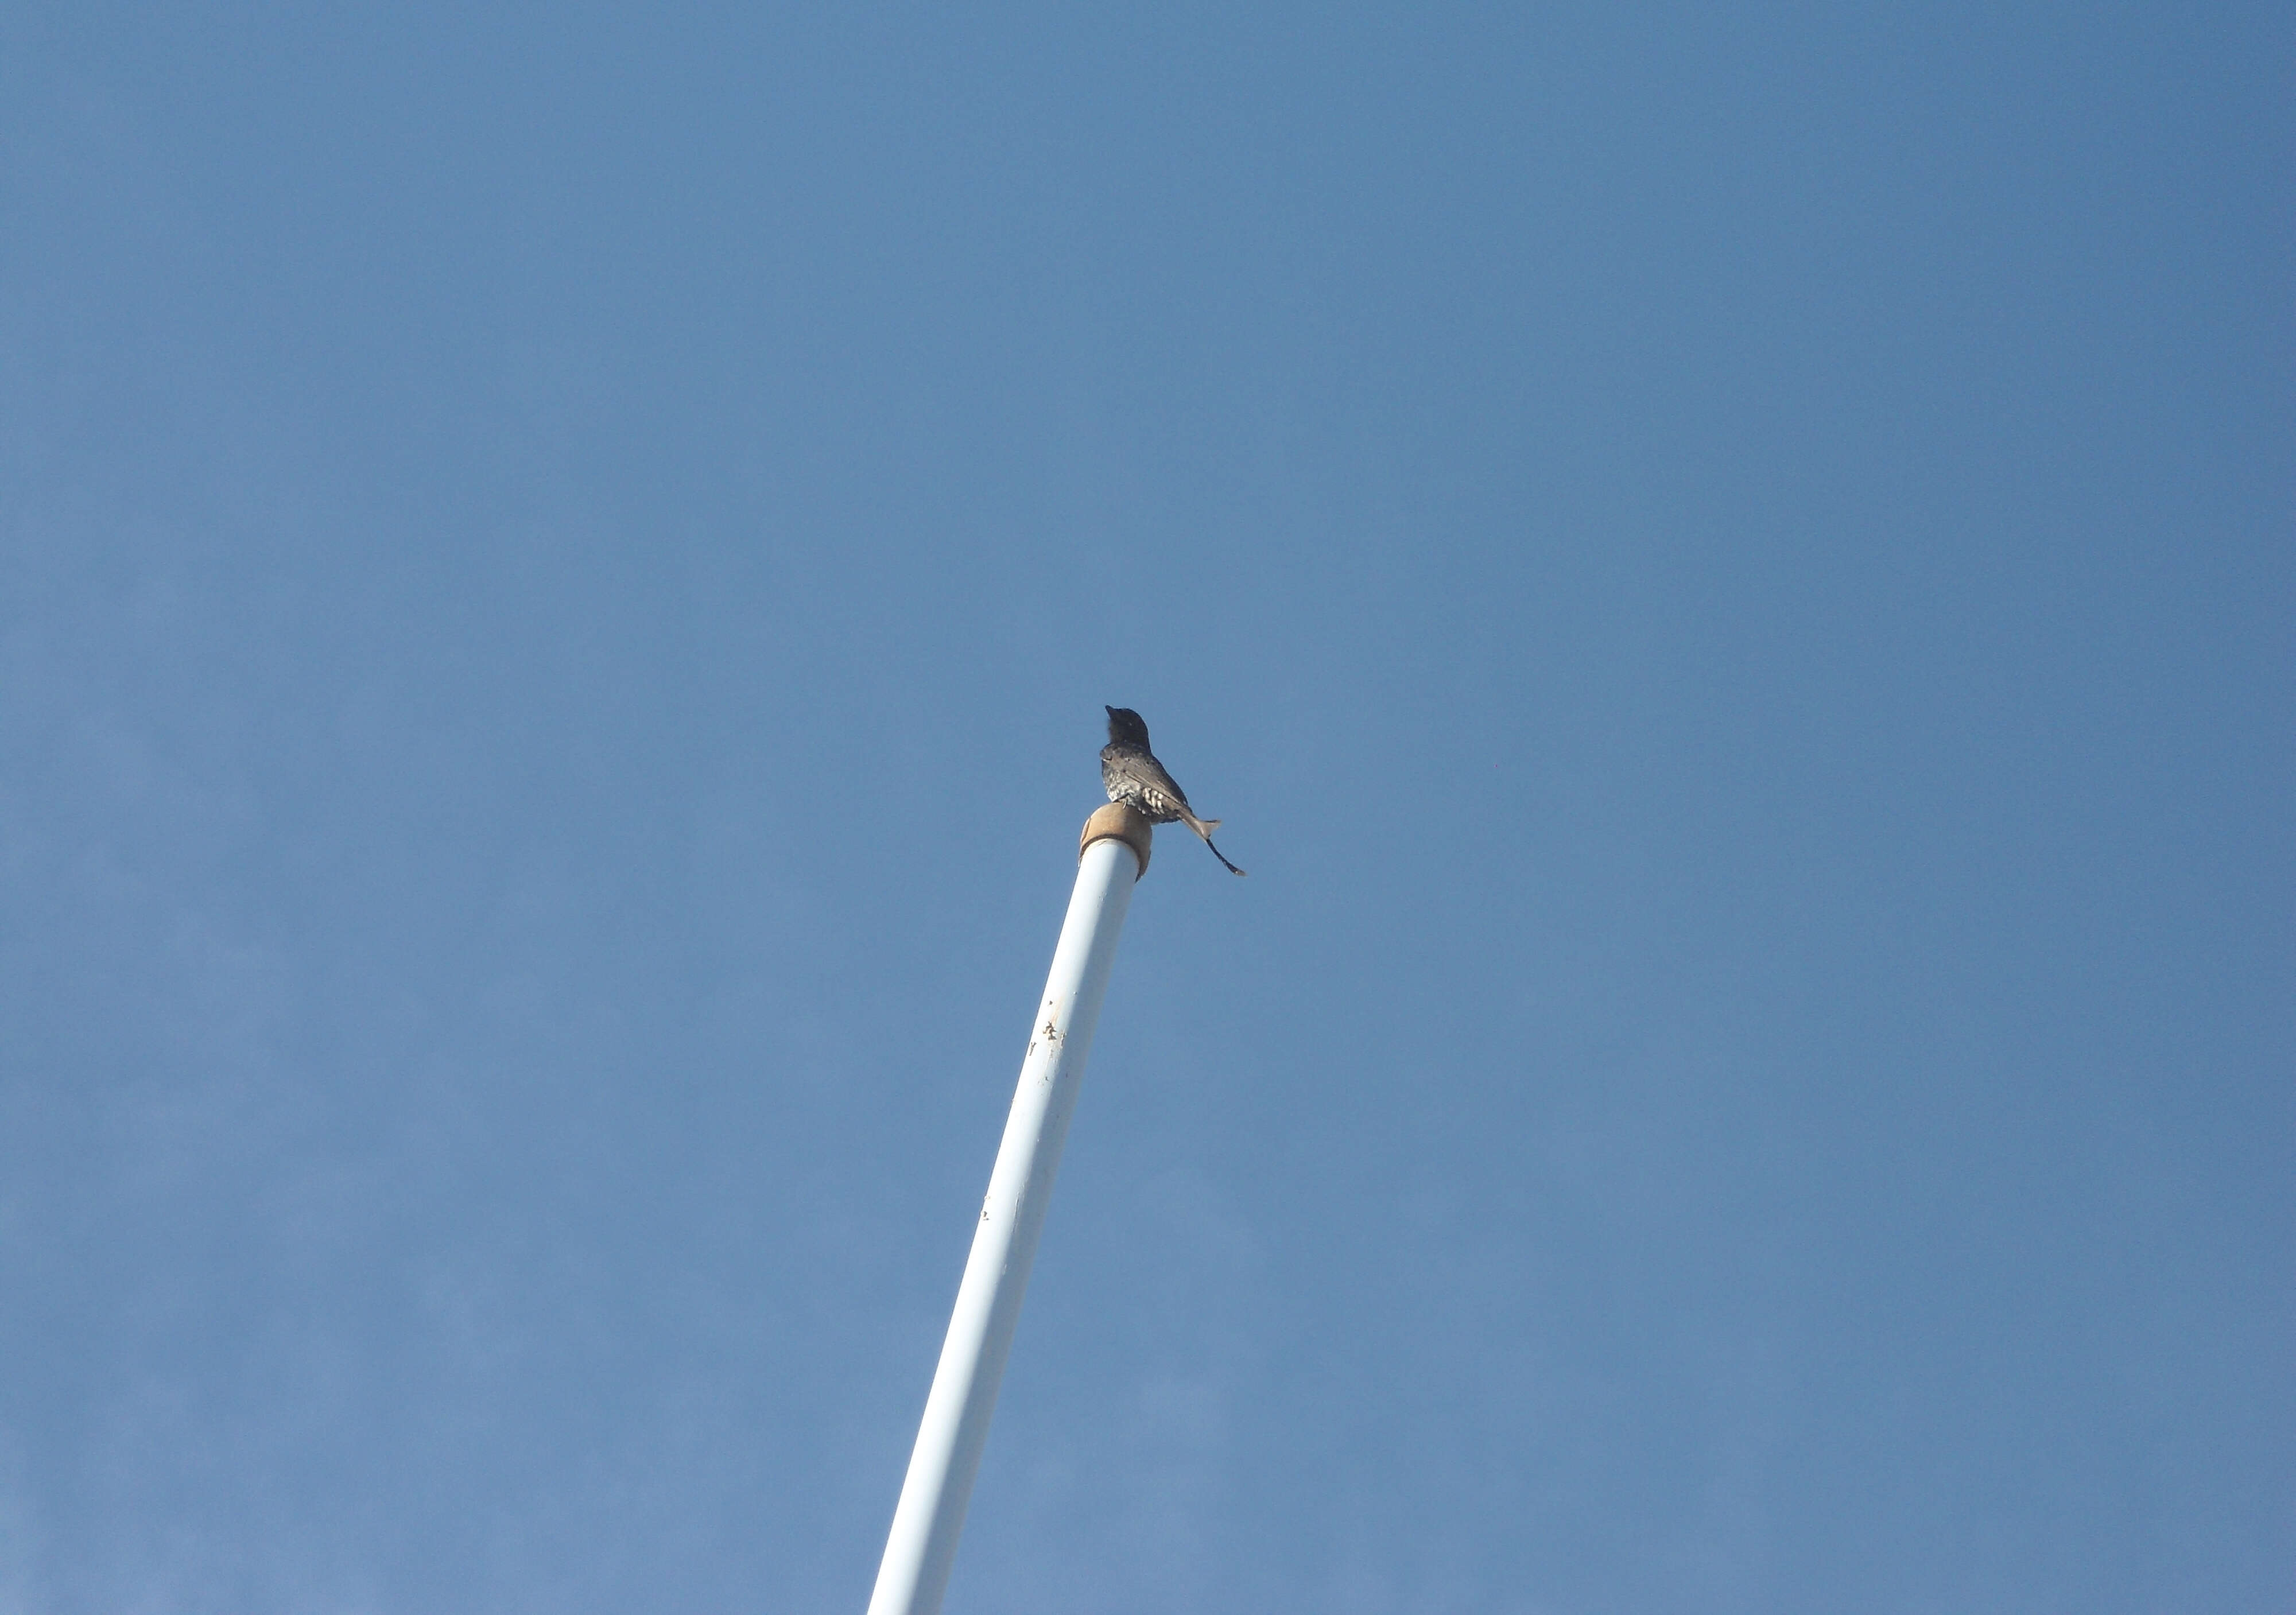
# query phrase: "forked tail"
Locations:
[[1204, 828]]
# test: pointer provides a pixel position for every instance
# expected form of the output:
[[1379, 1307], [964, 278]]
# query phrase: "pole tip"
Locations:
[[1120, 821]]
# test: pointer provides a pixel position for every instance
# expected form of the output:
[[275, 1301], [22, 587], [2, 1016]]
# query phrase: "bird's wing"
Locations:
[[1145, 772], [1155, 774]]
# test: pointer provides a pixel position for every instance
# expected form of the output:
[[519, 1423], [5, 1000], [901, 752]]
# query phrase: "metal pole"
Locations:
[[930, 1515]]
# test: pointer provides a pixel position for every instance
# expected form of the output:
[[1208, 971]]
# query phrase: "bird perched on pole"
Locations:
[[1136, 778]]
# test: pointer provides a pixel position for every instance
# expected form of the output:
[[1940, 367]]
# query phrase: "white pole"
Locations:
[[930, 1515]]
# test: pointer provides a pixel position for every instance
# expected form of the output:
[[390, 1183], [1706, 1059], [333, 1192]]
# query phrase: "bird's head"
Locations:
[[1126, 727]]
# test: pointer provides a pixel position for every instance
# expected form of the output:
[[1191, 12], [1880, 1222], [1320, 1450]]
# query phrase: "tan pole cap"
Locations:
[[1120, 821]]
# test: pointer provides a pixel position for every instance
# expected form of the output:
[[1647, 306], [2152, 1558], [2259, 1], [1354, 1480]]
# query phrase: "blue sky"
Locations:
[[1728, 572]]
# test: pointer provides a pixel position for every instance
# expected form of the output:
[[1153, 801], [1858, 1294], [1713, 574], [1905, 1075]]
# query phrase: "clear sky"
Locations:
[[1728, 568]]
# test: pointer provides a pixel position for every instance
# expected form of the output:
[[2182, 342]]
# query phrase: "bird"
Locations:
[[1136, 778]]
